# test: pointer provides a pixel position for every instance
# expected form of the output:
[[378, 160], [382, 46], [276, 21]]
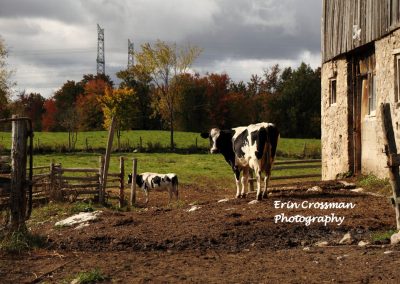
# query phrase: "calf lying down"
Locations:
[[150, 181]]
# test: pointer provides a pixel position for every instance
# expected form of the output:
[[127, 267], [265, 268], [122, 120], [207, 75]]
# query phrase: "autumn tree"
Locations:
[[191, 110], [87, 104], [64, 100], [140, 82], [97, 77], [261, 90], [90, 114], [120, 105], [5, 83], [163, 63], [49, 117], [69, 121], [217, 91], [32, 106]]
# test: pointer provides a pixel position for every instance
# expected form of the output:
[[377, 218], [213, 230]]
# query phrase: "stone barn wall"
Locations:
[[385, 51], [336, 132]]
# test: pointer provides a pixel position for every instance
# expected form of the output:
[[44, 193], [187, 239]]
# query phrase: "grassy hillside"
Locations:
[[155, 141]]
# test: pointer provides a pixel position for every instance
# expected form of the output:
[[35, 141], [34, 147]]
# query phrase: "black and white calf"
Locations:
[[245, 148], [150, 181]]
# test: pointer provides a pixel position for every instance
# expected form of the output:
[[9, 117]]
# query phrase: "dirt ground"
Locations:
[[220, 242]]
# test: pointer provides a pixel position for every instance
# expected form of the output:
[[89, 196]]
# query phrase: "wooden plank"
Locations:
[[132, 198], [77, 192], [92, 178], [122, 183], [289, 177], [80, 185], [41, 168], [18, 176], [391, 149], [75, 170], [296, 167], [101, 169], [110, 186], [41, 184], [394, 160], [107, 158], [295, 176], [375, 19], [297, 162], [41, 175]]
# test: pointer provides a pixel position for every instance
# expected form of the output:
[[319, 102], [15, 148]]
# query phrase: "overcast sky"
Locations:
[[52, 41]]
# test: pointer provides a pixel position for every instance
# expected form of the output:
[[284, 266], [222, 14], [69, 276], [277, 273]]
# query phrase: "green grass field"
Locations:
[[200, 169], [154, 139]]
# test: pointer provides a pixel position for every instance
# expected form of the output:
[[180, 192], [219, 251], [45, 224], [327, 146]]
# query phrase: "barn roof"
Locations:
[[348, 24]]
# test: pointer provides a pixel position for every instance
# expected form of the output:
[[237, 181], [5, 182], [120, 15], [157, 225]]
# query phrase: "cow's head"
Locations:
[[214, 141]]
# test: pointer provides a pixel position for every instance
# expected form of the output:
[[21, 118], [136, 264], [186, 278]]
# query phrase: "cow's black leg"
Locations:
[[267, 175], [258, 177]]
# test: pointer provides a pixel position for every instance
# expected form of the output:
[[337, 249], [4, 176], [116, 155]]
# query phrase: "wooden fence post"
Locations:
[[101, 168], [18, 174], [52, 181], [132, 199], [391, 152], [107, 158], [122, 182]]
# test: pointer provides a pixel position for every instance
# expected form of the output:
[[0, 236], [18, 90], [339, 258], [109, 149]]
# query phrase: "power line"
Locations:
[[49, 51]]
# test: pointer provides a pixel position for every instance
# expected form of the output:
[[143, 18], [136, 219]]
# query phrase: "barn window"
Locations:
[[371, 94], [397, 78], [332, 91]]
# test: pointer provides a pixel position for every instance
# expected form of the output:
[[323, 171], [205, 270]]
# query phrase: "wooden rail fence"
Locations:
[[296, 164], [55, 182], [291, 165]]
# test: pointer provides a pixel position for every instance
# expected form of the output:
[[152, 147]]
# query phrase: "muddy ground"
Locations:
[[220, 242]]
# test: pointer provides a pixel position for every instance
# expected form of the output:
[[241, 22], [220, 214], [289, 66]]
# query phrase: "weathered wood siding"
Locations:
[[375, 18]]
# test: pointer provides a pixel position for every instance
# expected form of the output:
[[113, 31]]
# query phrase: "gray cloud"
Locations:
[[66, 11], [56, 41]]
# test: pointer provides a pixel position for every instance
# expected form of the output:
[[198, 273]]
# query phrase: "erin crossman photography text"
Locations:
[[308, 220]]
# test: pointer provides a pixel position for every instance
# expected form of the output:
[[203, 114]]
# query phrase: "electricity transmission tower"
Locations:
[[101, 68], [131, 51]]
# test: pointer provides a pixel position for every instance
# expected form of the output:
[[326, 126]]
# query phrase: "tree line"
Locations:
[[159, 92]]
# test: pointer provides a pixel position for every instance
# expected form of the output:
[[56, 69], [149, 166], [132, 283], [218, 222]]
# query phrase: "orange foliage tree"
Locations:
[[49, 116], [88, 106]]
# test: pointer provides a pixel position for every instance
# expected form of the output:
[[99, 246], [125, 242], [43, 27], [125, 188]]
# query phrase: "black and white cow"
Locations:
[[150, 181], [244, 148]]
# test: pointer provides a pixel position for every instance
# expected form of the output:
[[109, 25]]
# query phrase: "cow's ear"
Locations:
[[205, 135]]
